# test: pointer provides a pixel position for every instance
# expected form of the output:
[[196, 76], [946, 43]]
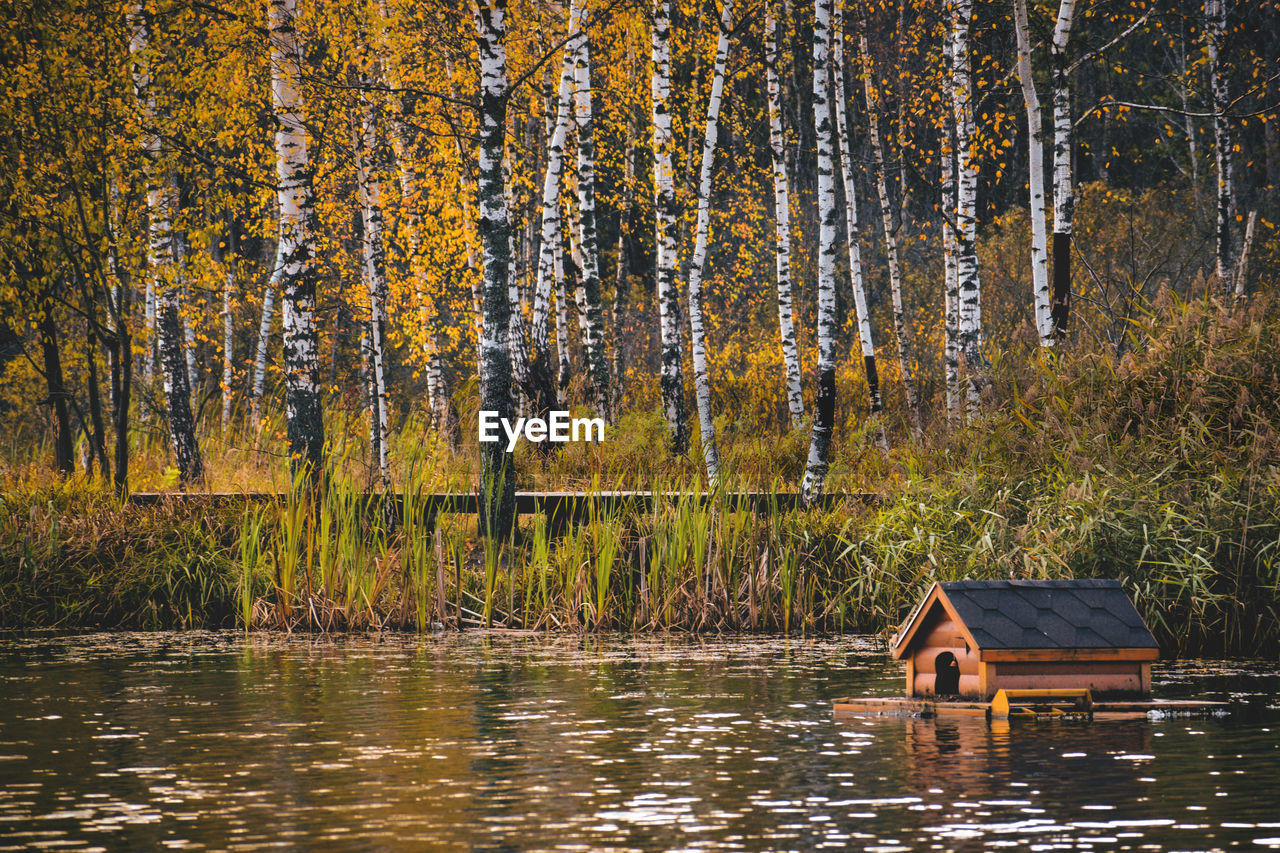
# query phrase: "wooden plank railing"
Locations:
[[560, 506]]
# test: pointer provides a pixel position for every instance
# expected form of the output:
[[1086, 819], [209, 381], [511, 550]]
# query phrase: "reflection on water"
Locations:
[[519, 742]]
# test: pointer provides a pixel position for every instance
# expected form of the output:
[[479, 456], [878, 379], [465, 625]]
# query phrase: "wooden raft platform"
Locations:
[[903, 706]]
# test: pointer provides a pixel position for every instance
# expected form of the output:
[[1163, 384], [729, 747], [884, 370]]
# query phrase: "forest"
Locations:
[[1002, 273]]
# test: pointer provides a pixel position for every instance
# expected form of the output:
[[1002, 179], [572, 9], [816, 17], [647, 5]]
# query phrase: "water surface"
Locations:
[[522, 742]]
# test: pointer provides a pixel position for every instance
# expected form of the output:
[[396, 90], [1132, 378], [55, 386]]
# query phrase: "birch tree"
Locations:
[[815, 474], [969, 311], [888, 219], [1215, 28], [296, 252], [665, 219], [564, 365], [264, 337], [589, 271], [412, 198], [550, 269], [616, 371], [497, 473], [373, 266], [851, 218], [782, 221], [1063, 182], [161, 263], [697, 331], [182, 431], [950, 286], [515, 315], [1035, 167], [225, 257]]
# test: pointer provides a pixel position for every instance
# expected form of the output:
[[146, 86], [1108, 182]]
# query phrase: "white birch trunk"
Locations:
[[589, 273], [182, 435], [189, 343], [620, 284], [665, 219], [1215, 27], [228, 328], [890, 239], [184, 313], [159, 246], [544, 384], [697, 330], [410, 198], [264, 340], [564, 365], [1063, 182], [951, 288], [574, 225], [1242, 266], [782, 222], [464, 185], [149, 321], [968, 284], [161, 289], [297, 261], [515, 332], [815, 474], [497, 472], [1035, 156], [374, 272], [428, 316], [851, 219]]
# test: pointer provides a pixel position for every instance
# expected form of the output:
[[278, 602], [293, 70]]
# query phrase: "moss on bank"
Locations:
[[1160, 467]]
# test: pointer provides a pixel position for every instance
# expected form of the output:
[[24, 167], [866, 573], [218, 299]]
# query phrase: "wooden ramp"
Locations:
[[906, 706]]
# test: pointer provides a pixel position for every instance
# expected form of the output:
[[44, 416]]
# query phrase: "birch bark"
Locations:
[[161, 266], [369, 162], [620, 283], [865, 337], [782, 222], [589, 273], [1035, 155], [225, 256], [1215, 27], [697, 330], [497, 473], [1063, 188], [564, 365], [951, 289], [442, 413], [515, 316], [186, 452], [298, 275], [182, 434], [665, 217], [264, 338], [887, 219], [969, 311], [543, 390], [815, 474]]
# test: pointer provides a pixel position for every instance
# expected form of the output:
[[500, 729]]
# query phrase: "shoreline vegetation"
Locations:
[[792, 250], [1160, 467]]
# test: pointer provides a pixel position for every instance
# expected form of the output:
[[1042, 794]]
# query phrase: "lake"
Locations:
[[508, 741]]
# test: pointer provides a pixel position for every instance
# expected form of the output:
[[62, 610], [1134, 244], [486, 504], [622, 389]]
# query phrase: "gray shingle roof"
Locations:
[[1077, 614]]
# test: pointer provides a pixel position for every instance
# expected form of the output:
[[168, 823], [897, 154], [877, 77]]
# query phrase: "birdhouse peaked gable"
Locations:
[[1032, 615]]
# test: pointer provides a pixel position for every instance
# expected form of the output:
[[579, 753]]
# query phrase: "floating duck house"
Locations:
[[969, 639]]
